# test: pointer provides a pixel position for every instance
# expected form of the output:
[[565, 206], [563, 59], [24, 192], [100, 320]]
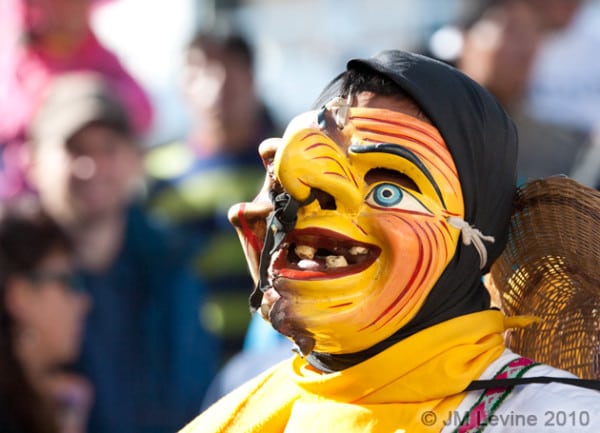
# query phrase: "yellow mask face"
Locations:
[[363, 255]]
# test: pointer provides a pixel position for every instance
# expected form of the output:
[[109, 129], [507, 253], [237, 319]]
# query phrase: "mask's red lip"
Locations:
[[319, 254]]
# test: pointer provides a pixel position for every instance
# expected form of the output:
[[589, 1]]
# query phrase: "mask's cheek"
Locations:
[[419, 251], [352, 313], [412, 259]]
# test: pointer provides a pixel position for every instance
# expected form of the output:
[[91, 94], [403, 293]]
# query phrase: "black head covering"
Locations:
[[483, 142]]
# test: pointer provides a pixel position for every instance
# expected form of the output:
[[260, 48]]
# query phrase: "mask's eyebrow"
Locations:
[[402, 152]]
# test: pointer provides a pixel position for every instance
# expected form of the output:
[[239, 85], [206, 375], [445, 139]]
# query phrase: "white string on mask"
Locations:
[[472, 235], [340, 109]]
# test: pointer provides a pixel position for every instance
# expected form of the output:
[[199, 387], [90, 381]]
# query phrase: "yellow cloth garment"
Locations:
[[415, 383]]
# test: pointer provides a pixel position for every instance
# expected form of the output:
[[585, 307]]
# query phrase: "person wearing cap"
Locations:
[[143, 342], [40, 40], [381, 211]]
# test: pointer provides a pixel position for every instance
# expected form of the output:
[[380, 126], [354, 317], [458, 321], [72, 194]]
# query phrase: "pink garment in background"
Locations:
[[24, 75]]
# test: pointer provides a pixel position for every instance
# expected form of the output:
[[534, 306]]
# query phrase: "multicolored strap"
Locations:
[[477, 418]]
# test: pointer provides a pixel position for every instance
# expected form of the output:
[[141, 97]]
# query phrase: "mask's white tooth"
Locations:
[[335, 262], [307, 264], [305, 251], [357, 250]]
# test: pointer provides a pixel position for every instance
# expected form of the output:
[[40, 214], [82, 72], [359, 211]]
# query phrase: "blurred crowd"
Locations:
[[536, 57], [123, 286]]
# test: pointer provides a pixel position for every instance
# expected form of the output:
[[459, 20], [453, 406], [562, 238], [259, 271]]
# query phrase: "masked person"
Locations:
[[380, 213]]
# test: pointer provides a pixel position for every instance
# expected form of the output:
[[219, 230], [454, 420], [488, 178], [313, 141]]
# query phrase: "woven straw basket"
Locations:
[[551, 269]]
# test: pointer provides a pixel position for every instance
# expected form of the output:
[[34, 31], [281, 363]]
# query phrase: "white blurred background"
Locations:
[[299, 45]]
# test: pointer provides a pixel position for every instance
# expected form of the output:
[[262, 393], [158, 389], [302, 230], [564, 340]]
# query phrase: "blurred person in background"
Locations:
[[193, 182], [499, 48], [143, 343], [502, 41], [564, 85], [39, 40], [42, 312]]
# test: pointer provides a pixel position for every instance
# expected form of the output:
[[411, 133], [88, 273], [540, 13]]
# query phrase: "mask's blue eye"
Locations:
[[387, 194], [391, 196]]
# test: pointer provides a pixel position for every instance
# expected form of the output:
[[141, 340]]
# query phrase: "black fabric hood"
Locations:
[[483, 142]]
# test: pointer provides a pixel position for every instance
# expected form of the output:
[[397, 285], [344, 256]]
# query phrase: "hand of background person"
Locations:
[[73, 397]]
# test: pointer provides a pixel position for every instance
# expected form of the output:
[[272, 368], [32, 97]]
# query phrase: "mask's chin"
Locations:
[[273, 309]]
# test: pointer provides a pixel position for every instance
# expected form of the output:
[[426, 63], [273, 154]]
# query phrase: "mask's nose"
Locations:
[[249, 220], [310, 164]]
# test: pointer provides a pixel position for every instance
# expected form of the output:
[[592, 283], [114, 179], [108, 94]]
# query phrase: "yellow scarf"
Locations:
[[412, 386]]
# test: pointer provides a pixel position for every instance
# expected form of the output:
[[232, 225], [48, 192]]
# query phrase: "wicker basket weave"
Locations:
[[551, 269]]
